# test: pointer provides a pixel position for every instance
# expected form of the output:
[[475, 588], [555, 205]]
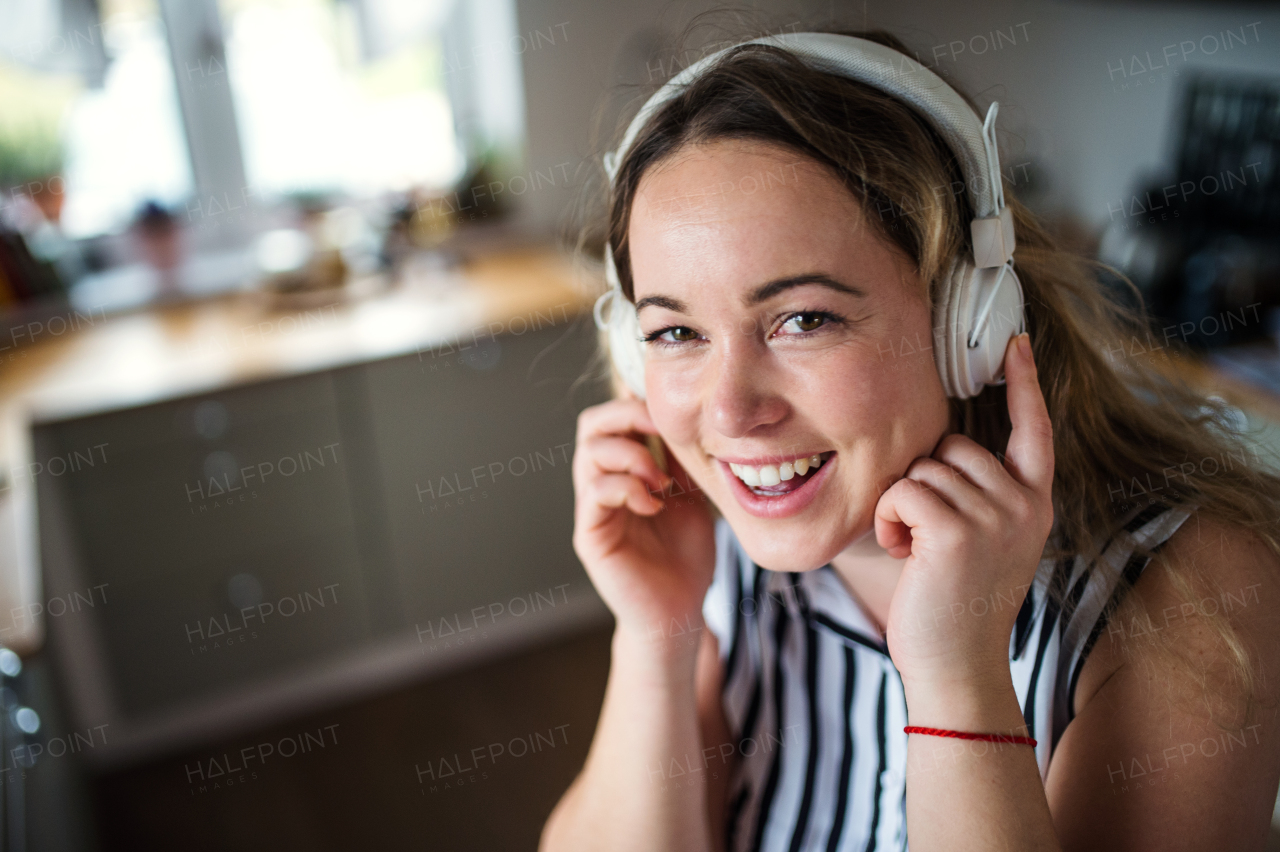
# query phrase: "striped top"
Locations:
[[817, 706]]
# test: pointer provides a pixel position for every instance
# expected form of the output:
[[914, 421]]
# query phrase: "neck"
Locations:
[[871, 576]]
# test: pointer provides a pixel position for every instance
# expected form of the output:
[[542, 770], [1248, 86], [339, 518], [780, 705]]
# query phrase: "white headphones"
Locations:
[[975, 316]]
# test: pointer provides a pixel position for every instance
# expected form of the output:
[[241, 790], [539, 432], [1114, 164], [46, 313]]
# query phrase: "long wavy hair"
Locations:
[[1121, 425]]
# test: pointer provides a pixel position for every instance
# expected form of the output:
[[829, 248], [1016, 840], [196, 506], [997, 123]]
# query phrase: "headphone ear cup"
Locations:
[[626, 349], [945, 327], [973, 368], [625, 346], [1006, 319]]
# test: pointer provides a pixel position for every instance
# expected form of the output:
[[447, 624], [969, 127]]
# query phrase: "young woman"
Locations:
[[1038, 617]]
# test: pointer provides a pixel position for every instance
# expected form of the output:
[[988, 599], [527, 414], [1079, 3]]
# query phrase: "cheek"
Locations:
[[896, 401], [679, 429], [881, 368], [673, 408]]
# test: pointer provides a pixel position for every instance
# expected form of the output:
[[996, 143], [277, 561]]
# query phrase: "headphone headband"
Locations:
[[883, 68]]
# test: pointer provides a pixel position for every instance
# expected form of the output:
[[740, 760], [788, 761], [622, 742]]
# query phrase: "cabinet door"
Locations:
[[473, 450]]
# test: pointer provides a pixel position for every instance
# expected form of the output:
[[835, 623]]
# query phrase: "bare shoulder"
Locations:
[[1231, 552], [1233, 575], [1163, 743]]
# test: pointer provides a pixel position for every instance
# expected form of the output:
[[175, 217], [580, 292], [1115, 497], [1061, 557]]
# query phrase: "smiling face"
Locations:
[[780, 325]]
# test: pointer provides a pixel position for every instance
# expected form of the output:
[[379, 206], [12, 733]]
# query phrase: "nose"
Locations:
[[741, 393]]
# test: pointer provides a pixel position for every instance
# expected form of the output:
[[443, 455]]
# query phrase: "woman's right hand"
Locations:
[[650, 557]]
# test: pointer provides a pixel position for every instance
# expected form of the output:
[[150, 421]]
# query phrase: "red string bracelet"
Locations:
[[994, 738]]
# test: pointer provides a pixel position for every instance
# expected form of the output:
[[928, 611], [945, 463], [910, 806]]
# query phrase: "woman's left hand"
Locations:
[[972, 531]]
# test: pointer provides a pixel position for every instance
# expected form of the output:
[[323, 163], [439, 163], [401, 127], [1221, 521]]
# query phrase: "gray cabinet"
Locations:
[[377, 516]]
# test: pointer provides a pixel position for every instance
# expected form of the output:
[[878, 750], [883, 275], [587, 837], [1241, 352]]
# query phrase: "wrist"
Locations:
[[981, 701], [976, 665], [657, 653]]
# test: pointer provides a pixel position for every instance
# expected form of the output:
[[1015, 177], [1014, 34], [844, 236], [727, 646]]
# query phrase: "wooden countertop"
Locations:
[[99, 363]]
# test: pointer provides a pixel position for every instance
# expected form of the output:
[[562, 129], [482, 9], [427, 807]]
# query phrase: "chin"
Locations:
[[769, 550]]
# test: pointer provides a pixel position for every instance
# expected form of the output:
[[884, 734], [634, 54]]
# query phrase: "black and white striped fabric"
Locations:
[[817, 706]]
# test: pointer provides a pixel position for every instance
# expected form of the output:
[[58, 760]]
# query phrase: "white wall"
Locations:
[[1063, 100], [1064, 92]]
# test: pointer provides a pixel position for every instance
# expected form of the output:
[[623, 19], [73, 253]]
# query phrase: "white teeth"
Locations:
[[769, 475]]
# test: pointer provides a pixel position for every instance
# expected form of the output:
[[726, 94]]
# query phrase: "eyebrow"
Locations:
[[762, 293]]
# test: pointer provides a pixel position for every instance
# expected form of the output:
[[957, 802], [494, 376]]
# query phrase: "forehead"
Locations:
[[737, 207], [731, 178]]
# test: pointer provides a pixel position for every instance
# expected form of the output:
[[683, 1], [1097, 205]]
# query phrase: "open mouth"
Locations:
[[778, 480]]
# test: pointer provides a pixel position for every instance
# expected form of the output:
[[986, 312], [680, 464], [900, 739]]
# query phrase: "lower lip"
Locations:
[[789, 504]]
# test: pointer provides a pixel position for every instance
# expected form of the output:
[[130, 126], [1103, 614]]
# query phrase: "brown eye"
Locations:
[[807, 321], [671, 336]]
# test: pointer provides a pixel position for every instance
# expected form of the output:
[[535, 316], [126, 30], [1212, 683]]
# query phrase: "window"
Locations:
[[339, 96], [90, 112], [178, 101]]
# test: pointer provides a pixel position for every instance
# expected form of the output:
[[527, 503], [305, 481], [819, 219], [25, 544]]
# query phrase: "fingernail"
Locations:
[[1024, 344]]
